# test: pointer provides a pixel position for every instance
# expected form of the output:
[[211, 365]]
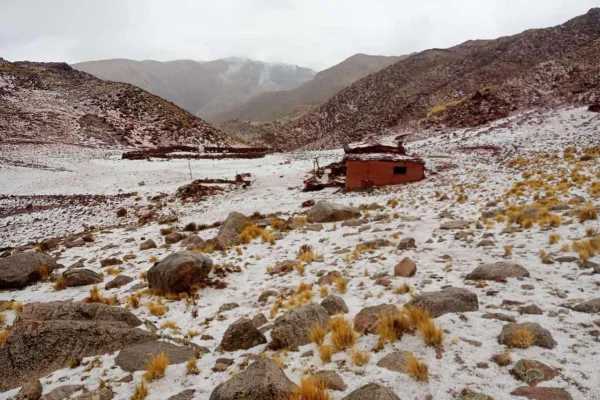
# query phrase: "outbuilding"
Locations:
[[372, 164]]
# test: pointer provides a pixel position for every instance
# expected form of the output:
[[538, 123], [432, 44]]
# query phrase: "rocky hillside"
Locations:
[[466, 85], [53, 103], [275, 105], [205, 89]]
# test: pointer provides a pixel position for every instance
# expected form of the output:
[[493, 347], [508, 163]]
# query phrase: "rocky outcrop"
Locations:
[[179, 271], [135, 357], [292, 329], [324, 211], [242, 334], [49, 336], [448, 300], [22, 269], [81, 277], [589, 307], [499, 272], [262, 380]]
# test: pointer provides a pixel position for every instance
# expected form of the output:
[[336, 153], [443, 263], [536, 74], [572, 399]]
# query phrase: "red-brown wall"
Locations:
[[381, 173]]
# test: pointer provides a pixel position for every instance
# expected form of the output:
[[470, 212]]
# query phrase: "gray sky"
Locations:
[[312, 33]]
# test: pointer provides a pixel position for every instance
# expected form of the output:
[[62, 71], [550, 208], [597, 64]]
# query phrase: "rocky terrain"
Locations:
[[206, 89], [51, 103], [464, 86], [479, 282]]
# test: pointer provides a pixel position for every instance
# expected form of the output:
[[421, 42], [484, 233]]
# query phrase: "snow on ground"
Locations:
[[481, 174]]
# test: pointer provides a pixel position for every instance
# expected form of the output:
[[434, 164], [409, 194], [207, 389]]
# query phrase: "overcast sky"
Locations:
[[312, 33]]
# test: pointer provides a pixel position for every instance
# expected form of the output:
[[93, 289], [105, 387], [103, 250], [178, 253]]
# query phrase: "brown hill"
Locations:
[[53, 103], [466, 85], [275, 105]]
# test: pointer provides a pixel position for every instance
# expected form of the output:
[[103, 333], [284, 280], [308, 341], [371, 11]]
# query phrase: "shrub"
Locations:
[[156, 366], [342, 333], [250, 232], [310, 389], [521, 338], [323, 291], [133, 301], [554, 238], [325, 353], [191, 227], [392, 327], [587, 213], [415, 316], [192, 367], [417, 369], [317, 334], [60, 284], [141, 391], [169, 325], [431, 335], [157, 309], [502, 359], [359, 358], [341, 285]]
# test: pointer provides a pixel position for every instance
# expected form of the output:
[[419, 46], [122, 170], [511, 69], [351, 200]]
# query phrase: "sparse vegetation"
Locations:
[[156, 367], [341, 285], [343, 335], [359, 358], [431, 334], [317, 334], [157, 309], [417, 369], [502, 359], [392, 327], [192, 366], [141, 391], [325, 353], [521, 338], [310, 388]]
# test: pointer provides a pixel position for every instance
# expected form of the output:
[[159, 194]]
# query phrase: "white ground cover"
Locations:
[[484, 176]]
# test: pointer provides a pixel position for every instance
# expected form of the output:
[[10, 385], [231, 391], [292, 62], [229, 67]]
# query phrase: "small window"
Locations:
[[399, 170]]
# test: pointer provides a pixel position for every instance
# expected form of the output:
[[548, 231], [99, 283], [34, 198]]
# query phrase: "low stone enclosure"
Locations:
[[196, 153]]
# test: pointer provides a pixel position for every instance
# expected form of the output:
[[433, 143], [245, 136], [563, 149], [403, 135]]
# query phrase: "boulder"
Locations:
[[372, 391], [22, 269], [292, 329], [187, 394], [542, 337], [81, 277], [148, 244], [264, 296], [259, 320], [242, 334], [334, 305], [331, 379], [589, 307], [174, 237], [62, 392], [178, 272], [395, 361], [98, 394], [120, 280], [499, 272], [367, 319], [457, 224], [135, 357], [407, 243], [448, 300], [193, 242], [228, 306], [49, 336], [533, 372], [262, 380], [31, 390], [229, 231], [405, 268], [324, 211], [542, 393], [329, 278]]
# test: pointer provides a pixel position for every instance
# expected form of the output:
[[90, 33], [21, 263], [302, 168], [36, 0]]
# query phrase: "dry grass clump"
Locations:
[[112, 271], [392, 327], [166, 231], [16, 306], [156, 366], [302, 296], [169, 325], [587, 213], [508, 251], [277, 224], [325, 353], [192, 333], [133, 301], [554, 238], [521, 338], [2, 318], [323, 291], [545, 257], [565, 248], [502, 359], [343, 335], [359, 358], [157, 309], [307, 257], [96, 297], [403, 289], [60, 284], [317, 334], [341, 285], [590, 232], [3, 336], [141, 391], [310, 389], [250, 232], [431, 334], [587, 248], [266, 237], [416, 316], [392, 203], [417, 369], [192, 367], [43, 272]]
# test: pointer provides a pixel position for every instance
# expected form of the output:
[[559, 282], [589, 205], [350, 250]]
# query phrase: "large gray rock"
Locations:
[[292, 329], [542, 393], [62, 392], [229, 231], [49, 336], [31, 390], [187, 394], [242, 334], [262, 380], [332, 380], [334, 305], [372, 391], [542, 337], [81, 277], [98, 394], [590, 307], [395, 361], [22, 269], [448, 300], [499, 272], [148, 244], [533, 372], [135, 357], [324, 211], [120, 280], [367, 319], [179, 271], [457, 224]]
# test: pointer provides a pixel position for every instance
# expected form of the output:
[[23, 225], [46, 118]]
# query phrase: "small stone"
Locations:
[[405, 268]]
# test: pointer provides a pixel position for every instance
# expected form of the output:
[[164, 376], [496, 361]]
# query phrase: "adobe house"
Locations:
[[371, 164]]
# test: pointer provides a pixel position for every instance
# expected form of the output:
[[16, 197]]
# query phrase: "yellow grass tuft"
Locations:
[[141, 391], [250, 232], [112, 271], [502, 359], [3, 336], [17, 306], [342, 333], [590, 232], [43, 272], [2, 318], [192, 333], [310, 389], [192, 367], [391, 328], [508, 251], [521, 338], [156, 366], [325, 353], [157, 309], [431, 335], [554, 238], [277, 224], [415, 316], [169, 325], [323, 291], [317, 334], [565, 248], [417, 369], [275, 308], [133, 301], [341, 285], [403, 289], [60, 284], [587, 213], [360, 358], [307, 257]]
